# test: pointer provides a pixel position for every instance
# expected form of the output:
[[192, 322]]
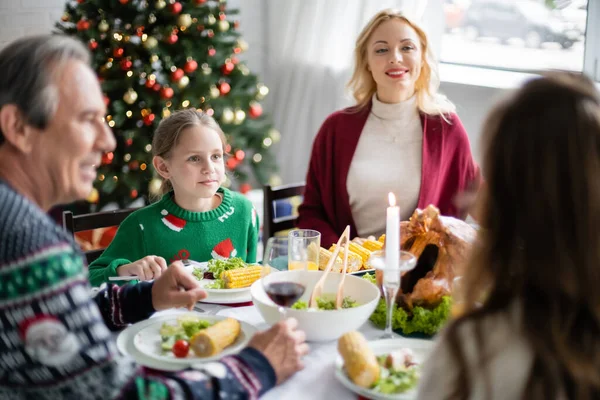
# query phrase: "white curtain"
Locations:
[[308, 62]]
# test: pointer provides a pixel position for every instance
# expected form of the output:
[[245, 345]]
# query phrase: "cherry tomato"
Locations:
[[181, 348]]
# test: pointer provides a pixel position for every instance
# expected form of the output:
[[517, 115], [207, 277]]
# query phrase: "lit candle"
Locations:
[[392, 234]]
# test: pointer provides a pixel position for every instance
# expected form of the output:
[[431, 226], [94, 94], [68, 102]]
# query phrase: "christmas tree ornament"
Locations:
[[126, 64], [143, 166], [65, 17], [198, 2], [166, 93], [227, 68], [176, 8], [134, 165], [103, 26], [210, 33], [83, 25], [106, 100], [150, 83], [232, 163], [183, 82], [150, 43], [172, 38], [263, 91], [224, 88], [206, 70], [118, 52], [101, 177], [239, 154], [156, 87], [242, 44], [240, 116], [149, 119], [243, 69], [222, 16], [267, 142], [255, 109], [211, 20], [212, 51], [166, 112], [160, 4], [93, 197], [275, 135], [177, 74], [228, 149], [214, 91], [245, 188], [190, 66], [130, 96], [236, 24], [107, 158], [129, 142], [155, 186], [257, 158], [133, 194], [93, 45], [227, 116], [127, 157], [184, 20], [223, 26], [151, 18], [123, 1]]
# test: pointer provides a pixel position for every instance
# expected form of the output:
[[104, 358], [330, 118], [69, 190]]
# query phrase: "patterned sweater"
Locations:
[[55, 341], [167, 230]]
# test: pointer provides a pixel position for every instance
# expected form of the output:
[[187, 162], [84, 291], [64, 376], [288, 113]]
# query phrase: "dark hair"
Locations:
[[169, 129], [540, 246], [27, 66]]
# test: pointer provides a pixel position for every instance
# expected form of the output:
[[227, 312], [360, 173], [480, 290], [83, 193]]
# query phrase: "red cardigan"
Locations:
[[448, 168]]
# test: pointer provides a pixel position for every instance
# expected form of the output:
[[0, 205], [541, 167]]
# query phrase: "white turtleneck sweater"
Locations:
[[387, 159]]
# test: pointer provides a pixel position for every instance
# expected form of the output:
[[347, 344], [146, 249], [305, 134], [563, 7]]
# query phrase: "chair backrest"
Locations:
[[273, 223], [85, 222]]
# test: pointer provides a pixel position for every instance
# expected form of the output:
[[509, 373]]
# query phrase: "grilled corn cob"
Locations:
[[359, 360], [372, 245], [354, 260], [381, 239], [214, 339], [241, 277], [361, 251]]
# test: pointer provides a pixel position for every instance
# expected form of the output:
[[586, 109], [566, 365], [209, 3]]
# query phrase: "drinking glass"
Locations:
[[304, 246]]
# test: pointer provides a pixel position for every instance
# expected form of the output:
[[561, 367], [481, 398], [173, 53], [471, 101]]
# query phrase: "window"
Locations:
[[522, 35]]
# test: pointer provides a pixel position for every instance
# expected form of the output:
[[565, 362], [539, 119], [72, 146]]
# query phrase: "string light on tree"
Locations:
[[263, 91], [257, 158]]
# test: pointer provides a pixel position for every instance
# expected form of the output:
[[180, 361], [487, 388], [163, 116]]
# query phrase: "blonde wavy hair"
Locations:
[[363, 86]]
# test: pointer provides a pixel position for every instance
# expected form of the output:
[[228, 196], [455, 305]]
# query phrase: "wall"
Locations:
[[21, 17]]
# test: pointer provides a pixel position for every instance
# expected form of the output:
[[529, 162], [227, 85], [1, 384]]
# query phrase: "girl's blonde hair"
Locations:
[[363, 86], [169, 129]]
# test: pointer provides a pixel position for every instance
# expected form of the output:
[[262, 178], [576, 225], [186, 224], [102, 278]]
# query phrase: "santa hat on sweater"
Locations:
[[173, 222], [224, 250]]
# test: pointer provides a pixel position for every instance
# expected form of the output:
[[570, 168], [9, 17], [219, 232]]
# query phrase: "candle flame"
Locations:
[[392, 199]]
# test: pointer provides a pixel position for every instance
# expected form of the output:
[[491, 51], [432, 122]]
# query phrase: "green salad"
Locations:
[[216, 268], [424, 320], [184, 329], [326, 303], [395, 379]]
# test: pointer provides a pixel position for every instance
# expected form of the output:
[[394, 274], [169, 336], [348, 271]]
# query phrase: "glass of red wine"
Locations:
[[278, 285]]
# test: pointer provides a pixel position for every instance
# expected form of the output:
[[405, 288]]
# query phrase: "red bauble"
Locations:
[[129, 142], [123, 1], [222, 16], [212, 52], [224, 88], [237, 50], [134, 165], [149, 119], [227, 68], [210, 33], [172, 39], [126, 64], [107, 158], [156, 87], [106, 100], [166, 93], [232, 163], [93, 45], [139, 31], [200, 1], [235, 60], [150, 83], [240, 155], [80, 1], [177, 74], [176, 8], [133, 194], [255, 110], [200, 28], [190, 66], [83, 25], [118, 52], [245, 188]]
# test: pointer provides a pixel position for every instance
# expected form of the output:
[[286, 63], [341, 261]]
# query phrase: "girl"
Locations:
[[402, 137], [536, 334], [195, 219]]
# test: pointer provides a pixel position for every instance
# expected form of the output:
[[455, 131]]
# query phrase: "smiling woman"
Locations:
[[402, 136]]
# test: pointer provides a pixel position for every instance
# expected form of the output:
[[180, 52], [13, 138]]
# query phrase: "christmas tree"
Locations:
[[154, 57]]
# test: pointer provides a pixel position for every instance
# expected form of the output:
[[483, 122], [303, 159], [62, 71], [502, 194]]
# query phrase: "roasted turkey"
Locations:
[[441, 245]]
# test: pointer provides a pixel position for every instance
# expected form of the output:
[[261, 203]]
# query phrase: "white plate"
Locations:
[[420, 348], [142, 342], [204, 282]]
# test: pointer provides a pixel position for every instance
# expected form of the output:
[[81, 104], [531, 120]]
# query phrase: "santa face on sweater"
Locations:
[[194, 167]]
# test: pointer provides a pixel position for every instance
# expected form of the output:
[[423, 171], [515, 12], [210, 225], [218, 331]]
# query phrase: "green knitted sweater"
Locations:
[[167, 230]]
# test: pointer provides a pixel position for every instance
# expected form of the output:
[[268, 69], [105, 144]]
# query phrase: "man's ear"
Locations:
[[15, 130], [161, 167]]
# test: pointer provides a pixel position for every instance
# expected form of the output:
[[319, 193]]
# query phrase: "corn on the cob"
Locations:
[[381, 239], [372, 245], [354, 261], [359, 360], [361, 251], [241, 277], [214, 339]]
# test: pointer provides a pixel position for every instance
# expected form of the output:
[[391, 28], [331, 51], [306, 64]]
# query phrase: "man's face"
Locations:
[[70, 149]]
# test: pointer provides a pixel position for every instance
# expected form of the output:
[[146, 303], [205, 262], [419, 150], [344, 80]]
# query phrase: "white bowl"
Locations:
[[326, 324]]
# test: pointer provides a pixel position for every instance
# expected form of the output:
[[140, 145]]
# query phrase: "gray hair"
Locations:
[[27, 67]]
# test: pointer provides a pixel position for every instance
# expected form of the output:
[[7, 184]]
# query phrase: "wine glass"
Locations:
[[390, 282], [277, 284]]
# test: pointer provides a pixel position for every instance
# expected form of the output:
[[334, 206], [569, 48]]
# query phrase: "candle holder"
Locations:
[[390, 282]]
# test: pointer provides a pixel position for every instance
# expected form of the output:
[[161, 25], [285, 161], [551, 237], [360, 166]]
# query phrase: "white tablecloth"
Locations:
[[316, 381]]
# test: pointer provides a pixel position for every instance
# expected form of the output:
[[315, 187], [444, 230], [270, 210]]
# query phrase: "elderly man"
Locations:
[[54, 339]]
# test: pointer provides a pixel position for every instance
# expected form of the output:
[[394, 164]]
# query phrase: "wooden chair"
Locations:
[[85, 222], [273, 223]]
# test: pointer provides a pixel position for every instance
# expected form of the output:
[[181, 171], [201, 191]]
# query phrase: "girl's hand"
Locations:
[[147, 268]]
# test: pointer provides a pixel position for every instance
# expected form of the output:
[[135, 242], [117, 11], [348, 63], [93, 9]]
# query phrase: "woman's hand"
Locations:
[[176, 287], [147, 268], [284, 346]]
